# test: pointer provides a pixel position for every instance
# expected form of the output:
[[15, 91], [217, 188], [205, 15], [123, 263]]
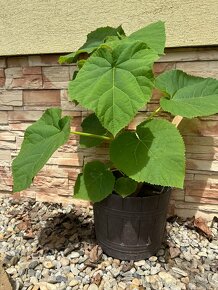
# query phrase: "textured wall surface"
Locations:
[[51, 26], [30, 84]]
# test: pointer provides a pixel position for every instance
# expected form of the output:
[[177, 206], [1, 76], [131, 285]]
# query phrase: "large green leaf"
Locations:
[[94, 40], [154, 154], [92, 125], [188, 96], [96, 182], [40, 141], [125, 186], [115, 83], [153, 35]]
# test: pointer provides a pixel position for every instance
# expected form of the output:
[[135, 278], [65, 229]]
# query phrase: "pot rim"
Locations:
[[117, 196]]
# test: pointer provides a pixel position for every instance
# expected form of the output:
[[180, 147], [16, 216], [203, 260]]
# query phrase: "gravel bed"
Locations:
[[50, 247]]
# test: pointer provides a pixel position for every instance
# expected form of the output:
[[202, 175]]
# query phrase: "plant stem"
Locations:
[[153, 114], [91, 135]]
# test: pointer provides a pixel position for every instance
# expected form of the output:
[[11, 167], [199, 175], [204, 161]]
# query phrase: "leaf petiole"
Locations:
[[91, 135], [153, 114]]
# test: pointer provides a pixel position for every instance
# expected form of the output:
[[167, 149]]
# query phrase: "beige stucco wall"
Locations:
[[49, 26]]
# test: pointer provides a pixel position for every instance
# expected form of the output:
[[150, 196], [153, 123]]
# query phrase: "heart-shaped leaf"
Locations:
[[115, 83], [96, 182], [41, 140], [154, 154], [188, 96], [125, 186]]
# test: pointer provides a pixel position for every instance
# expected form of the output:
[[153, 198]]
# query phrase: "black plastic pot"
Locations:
[[131, 228]]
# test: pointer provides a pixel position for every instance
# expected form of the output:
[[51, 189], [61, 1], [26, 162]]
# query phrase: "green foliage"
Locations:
[[96, 182], [94, 40], [92, 125], [41, 140], [80, 190], [115, 83], [114, 80], [188, 96], [153, 154], [125, 186], [153, 35]]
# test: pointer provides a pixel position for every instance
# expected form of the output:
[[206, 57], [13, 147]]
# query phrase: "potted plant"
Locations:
[[114, 80]]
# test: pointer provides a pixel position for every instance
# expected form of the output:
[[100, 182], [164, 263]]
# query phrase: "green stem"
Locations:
[[153, 114], [91, 135]]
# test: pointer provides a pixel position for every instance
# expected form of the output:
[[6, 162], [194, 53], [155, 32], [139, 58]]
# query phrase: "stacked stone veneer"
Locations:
[[30, 84]]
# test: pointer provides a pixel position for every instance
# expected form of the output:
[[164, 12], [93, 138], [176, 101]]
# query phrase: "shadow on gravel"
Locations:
[[66, 232]]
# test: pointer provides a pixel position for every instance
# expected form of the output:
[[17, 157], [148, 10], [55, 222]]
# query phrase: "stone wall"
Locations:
[[30, 84]]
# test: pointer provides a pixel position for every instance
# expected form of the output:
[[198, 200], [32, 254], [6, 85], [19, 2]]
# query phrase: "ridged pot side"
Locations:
[[131, 228]]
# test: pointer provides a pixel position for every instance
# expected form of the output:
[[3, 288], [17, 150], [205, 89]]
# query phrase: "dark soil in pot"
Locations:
[[132, 228]]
